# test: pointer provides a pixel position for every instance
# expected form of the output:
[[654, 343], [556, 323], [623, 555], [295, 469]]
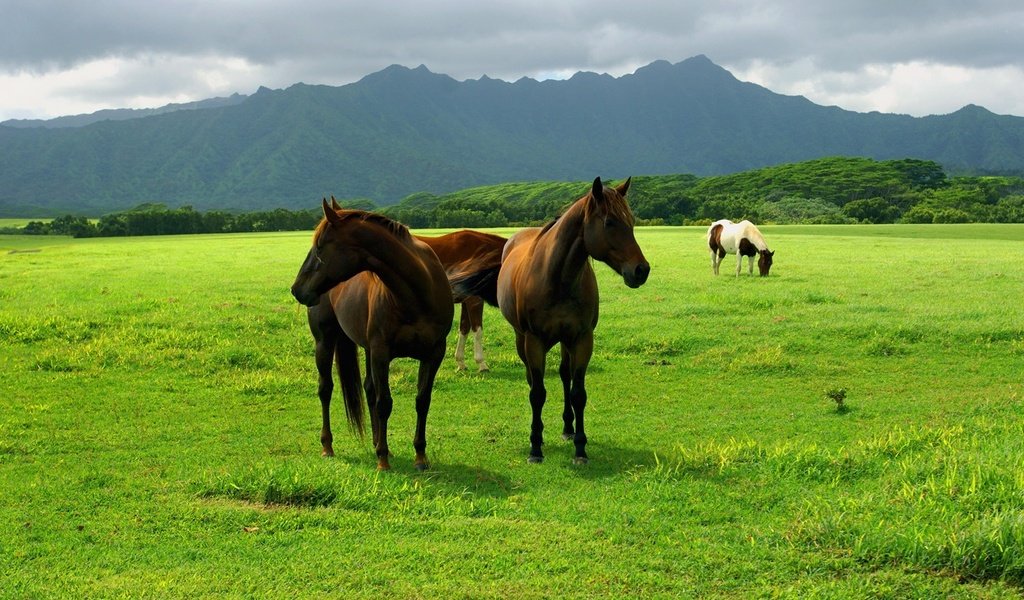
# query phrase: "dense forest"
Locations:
[[829, 190]]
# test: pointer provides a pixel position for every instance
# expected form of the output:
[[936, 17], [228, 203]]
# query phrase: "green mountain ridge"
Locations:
[[400, 131]]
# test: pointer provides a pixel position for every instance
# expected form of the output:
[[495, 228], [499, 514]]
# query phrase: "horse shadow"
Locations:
[[606, 460], [456, 478]]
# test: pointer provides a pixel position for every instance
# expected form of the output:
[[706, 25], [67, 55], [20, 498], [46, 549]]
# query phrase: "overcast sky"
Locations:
[[60, 57]]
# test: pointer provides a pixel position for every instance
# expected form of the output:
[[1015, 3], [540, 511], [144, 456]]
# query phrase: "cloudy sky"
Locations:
[[60, 57]]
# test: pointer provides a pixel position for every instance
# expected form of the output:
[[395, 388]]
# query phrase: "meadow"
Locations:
[[159, 430]]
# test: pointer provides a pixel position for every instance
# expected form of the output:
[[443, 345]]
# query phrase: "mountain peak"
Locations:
[[403, 130]]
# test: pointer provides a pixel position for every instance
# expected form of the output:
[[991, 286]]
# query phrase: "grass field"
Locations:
[[159, 431], [19, 222]]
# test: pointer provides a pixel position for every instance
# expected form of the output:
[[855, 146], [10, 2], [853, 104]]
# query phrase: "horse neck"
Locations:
[[565, 252], [757, 240], [397, 264]]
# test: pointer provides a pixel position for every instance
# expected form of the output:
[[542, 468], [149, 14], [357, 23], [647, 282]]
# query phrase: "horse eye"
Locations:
[[609, 222]]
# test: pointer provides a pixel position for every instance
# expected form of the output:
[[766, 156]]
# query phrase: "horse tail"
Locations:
[[346, 356], [482, 283]]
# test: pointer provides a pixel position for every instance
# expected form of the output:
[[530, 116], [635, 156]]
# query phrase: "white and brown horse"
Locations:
[[742, 239]]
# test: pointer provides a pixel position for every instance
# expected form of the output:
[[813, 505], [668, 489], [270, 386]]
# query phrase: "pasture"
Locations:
[[159, 430]]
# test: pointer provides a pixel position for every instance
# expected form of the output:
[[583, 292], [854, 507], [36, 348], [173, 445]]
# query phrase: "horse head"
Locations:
[[764, 261], [608, 233], [329, 261]]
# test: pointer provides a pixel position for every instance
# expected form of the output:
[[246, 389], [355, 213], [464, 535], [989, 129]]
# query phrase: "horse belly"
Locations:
[[419, 340]]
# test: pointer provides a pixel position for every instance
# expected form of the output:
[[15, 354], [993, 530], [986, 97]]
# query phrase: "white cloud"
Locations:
[[916, 88], [142, 82]]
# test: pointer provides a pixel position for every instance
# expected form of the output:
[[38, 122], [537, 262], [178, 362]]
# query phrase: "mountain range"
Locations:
[[401, 131]]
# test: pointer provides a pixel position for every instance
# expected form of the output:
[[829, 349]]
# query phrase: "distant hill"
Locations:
[[122, 114], [401, 131]]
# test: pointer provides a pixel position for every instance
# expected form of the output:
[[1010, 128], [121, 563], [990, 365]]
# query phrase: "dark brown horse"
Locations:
[[366, 281], [456, 250], [547, 290]]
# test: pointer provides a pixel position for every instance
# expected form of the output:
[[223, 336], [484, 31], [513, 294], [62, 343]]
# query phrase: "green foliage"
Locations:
[[838, 395], [834, 190], [831, 190]]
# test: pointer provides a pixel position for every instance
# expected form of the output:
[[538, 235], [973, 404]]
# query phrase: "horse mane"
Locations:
[[754, 234], [614, 204], [397, 229]]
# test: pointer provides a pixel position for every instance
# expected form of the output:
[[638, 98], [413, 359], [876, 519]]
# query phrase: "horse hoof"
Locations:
[[484, 369], [568, 436], [535, 460], [383, 465], [327, 453], [580, 460], [421, 467]]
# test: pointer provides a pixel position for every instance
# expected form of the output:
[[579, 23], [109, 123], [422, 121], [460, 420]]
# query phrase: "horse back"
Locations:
[[460, 246]]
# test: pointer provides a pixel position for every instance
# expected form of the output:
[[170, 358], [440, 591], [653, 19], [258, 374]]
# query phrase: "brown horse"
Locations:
[[546, 288], [366, 281], [455, 250]]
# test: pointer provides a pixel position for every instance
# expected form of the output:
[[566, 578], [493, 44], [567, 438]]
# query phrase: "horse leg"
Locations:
[[532, 352], [714, 261], [460, 346], [478, 350], [739, 263], [428, 371], [475, 307], [324, 359], [380, 367], [580, 359], [371, 401], [565, 373], [326, 331]]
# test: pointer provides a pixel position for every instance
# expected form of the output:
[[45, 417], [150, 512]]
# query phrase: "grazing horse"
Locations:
[[546, 288], [455, 250], [366, 281], [741, 239]]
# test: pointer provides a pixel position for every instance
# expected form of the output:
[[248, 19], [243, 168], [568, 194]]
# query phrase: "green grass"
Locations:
[[17, 222], [159, 431]]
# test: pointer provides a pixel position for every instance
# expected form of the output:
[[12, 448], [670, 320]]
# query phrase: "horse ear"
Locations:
[[334, 203], [623, 187], [329, 212], [598, 190]]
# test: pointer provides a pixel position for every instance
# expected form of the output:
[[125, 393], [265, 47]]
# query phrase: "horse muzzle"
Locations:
[[636, 276], [305, 296]]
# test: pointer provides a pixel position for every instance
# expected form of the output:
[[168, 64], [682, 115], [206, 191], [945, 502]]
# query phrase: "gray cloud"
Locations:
[[322, 41]]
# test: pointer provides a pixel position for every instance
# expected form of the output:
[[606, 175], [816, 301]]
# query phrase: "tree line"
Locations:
[[829, 190]]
